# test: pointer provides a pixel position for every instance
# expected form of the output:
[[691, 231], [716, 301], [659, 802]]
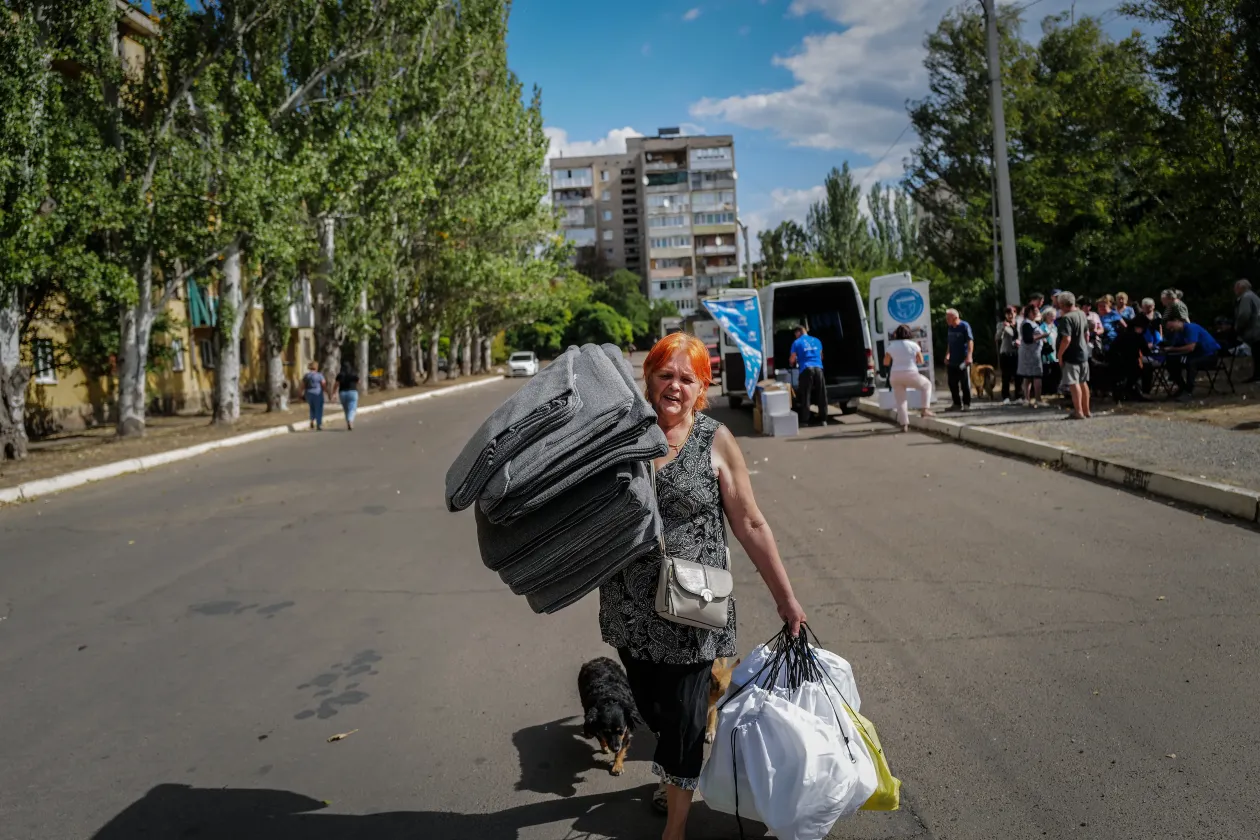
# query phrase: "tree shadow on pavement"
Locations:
[[172, 811]]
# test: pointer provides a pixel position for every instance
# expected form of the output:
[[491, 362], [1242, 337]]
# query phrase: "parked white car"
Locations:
[[522, 364]]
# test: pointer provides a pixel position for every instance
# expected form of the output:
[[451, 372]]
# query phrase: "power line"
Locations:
[[891, 146]]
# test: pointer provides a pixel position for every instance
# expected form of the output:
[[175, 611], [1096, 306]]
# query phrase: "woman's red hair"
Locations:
[[697, 354]]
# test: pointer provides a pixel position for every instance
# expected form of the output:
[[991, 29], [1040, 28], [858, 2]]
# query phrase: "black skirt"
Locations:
[[674, 701]]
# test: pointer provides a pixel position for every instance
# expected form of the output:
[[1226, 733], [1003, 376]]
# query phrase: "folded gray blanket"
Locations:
[[550, 533], [546, 403], [614, 424], [582, 582]]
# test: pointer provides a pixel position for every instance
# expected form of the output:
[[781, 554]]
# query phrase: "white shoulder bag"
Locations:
[[691, 593]]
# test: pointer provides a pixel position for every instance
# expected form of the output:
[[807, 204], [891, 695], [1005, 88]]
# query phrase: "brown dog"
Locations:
[[983, 380], [719, 681]]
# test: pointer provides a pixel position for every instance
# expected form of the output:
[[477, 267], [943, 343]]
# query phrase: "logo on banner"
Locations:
[[741, 318], [905, 305]]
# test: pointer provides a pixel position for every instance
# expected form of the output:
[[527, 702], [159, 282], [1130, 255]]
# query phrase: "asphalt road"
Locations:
[[177, 647]]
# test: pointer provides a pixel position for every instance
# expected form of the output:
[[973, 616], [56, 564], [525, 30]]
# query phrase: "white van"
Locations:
[[832, 309]]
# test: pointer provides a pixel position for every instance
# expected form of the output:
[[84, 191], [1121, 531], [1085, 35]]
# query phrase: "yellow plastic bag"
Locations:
[[887, 797]]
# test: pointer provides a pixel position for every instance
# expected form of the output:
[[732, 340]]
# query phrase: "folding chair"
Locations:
[[1224, 365]]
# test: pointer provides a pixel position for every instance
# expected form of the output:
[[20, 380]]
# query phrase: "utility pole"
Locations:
[[1006, 215]]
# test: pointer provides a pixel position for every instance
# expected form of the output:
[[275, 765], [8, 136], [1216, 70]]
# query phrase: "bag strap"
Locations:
[[660, 537]]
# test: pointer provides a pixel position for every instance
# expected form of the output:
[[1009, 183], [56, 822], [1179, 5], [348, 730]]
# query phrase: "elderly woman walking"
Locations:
[[701, 485], [314, 386]]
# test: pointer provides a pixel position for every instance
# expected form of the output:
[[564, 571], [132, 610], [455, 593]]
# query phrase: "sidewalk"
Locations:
[[98, 448], [1151, 449]]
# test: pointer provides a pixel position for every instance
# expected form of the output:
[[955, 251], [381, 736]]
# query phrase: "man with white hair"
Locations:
[[1247, 323], [1074, 347], [960, 344]]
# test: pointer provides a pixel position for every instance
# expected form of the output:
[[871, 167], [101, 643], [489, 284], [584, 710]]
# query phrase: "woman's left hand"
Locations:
[[793, 615]]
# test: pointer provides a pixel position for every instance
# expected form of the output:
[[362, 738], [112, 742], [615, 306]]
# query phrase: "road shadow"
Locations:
[[171, 811], [554, 756]]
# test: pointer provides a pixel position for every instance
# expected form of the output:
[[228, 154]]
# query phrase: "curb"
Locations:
[[44, 486], [1236, 502]]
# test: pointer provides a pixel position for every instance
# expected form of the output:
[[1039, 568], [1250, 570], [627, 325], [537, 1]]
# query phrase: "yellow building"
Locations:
[[62, 397]]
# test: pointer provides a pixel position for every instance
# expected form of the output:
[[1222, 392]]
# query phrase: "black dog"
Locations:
[[610, 712]]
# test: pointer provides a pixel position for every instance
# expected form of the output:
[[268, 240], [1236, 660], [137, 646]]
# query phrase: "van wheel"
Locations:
[[735, 402], [849, 408]]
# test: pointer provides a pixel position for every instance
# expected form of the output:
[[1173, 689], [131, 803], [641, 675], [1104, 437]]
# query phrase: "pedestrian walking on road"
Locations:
[[314, 387], [1007, 341], [902, 358], [701, 484], [807, 354], [960, 343], [1247, 323], [1075, 332], [1032, 337], [348, 391]]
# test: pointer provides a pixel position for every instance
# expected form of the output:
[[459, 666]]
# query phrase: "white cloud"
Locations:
[[691, 14], [690, 129], [612, 143]]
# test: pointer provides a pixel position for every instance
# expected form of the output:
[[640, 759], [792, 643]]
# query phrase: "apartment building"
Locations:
[[666, 210]]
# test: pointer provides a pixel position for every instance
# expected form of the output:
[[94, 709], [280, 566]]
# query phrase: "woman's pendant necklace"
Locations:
[[677, 448]]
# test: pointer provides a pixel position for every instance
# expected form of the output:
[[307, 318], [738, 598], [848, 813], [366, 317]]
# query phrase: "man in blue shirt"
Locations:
[[1189, 347], [960, 343], [807, 354]]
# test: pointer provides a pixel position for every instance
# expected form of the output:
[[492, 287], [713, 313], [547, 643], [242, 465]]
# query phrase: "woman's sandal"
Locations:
[[660, 799]]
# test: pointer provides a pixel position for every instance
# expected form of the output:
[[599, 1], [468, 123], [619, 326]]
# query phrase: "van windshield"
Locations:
[[522, 357], [832, 312]]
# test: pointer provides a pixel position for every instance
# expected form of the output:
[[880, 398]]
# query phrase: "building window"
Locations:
[[206, 349], [606, 195], [668, 221], [307, 352], [608, 252], [43, 367], [715, 218], [607, 215], [671, 242], [177, 355], [608, 234], [603, 174]]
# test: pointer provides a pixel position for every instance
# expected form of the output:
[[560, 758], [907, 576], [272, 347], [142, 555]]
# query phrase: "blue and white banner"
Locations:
[[741, 319]]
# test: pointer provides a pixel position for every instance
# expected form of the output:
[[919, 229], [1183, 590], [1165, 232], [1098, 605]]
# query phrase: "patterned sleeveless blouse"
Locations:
[[695, 529]]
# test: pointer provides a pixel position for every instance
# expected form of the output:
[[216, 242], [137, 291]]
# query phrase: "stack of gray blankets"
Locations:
[[560, 475]]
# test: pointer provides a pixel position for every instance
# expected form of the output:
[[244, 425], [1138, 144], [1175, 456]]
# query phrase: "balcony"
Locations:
[[661, 165], [575, 202], [709, 250]]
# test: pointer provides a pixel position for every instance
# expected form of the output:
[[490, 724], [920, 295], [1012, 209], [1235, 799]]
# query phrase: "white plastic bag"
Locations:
[[784, 752], [837, 667]]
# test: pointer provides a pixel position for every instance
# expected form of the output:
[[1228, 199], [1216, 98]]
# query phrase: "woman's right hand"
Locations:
[[793, 615]]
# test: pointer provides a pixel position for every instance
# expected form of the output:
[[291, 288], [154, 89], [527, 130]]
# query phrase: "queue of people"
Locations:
[[1060, 346]]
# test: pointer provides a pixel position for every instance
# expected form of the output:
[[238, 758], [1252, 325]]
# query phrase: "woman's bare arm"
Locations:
[[751, 528]]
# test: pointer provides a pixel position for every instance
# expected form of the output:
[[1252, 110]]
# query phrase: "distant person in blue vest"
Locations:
[[959, 346], [807, 354], [314, 387], [1190, 348]]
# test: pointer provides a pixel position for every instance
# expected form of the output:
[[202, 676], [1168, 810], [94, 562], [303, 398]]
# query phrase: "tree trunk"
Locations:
[[406, 363], [487, 354], [435, 346], [277, 383], [328, 333], [465, 352], [227, 373], [133, 354], [13, 379], [476, 351], [363, 361], [453, 356], [389, 345]]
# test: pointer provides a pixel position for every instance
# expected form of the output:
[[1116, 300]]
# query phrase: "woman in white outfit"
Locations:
[[902, 357]]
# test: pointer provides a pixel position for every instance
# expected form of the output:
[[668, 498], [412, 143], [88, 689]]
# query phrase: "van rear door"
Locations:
[[832, 310]]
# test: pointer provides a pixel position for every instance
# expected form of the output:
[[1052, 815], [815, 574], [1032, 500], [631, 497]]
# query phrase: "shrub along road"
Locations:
[[177, 647]]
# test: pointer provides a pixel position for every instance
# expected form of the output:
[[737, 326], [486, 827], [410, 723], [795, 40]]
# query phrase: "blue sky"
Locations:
[[803, 85]]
